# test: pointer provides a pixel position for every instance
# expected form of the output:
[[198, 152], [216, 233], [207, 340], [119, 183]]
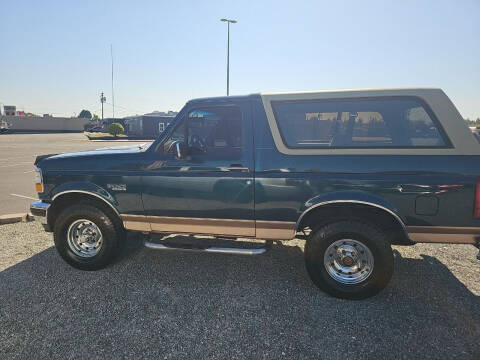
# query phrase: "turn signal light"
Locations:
[[38, 180], [477, 201]]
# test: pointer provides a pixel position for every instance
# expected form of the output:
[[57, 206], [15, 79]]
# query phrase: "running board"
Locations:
[[219, 250]]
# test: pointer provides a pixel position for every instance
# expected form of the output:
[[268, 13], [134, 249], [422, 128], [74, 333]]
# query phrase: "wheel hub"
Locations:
[[84, 238], [347, 254], [348, 261]]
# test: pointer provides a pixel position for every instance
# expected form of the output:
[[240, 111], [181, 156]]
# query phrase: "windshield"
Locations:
[[161, 138]]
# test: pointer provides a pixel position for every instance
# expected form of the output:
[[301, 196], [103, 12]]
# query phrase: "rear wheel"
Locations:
[[349, 259], [86, 237]]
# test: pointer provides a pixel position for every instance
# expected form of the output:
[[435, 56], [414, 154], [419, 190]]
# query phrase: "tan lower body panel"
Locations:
[[444, 234], [275, 230], [136, 222], [227, 227]]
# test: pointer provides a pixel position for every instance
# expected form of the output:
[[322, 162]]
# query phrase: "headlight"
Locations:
[[38, 180]]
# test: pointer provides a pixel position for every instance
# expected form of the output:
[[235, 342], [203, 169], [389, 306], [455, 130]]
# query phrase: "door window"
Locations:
[[177, 135], [210, 132]]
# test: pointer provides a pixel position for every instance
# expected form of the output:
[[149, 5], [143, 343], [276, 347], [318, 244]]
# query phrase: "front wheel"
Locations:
[[349, 259], [86, 237]]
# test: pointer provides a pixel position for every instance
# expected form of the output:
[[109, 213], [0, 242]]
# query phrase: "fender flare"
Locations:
[[351, 197], [87, 188]]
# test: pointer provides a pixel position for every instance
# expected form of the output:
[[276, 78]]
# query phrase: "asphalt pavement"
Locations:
[[17, 155], [174, 305]]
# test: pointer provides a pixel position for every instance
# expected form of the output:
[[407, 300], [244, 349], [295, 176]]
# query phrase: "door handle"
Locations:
[[238, 167]]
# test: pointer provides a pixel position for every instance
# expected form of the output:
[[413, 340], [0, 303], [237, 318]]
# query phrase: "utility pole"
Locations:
[[102, 100], [228, 50]]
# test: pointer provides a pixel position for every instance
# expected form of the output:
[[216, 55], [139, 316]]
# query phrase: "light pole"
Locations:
[[113, 96], [228, 49]]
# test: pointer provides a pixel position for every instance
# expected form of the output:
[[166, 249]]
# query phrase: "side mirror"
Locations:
[[179, 149]]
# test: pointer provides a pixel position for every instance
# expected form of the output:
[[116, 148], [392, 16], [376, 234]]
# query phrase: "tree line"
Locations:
[[475, 123]]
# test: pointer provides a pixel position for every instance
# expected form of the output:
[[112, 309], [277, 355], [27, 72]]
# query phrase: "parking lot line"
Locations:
[[18, 157], [19, 164], [25, 197]]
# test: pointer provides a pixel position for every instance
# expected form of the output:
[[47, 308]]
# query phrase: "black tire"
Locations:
[[112, 235], [363, 232]]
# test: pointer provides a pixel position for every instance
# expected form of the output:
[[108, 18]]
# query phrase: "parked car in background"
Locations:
[[476, 132], [96, 129], [4, 126], [351, 172]]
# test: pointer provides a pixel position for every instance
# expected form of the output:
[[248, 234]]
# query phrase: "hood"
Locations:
[[94, 159], [107, 151]]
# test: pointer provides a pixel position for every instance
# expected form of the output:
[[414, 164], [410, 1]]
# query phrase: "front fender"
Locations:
[[86, 188]]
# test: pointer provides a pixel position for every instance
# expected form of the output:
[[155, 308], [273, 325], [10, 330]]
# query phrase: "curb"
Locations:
[[15, 218]]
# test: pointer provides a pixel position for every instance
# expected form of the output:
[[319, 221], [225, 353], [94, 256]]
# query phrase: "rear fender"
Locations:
[[353, 197]]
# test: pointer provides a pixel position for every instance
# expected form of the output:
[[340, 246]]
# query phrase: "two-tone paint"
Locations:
[[266, 194]]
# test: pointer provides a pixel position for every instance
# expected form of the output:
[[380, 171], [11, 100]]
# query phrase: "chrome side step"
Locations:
[[219, 250]]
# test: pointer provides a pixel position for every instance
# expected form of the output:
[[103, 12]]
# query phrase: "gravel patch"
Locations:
[[170, 305]]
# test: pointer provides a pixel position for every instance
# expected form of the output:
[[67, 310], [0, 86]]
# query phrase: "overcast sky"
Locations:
[[55, 54]]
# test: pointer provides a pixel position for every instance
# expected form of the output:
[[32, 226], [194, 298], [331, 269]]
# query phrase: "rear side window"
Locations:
[[358, 123]]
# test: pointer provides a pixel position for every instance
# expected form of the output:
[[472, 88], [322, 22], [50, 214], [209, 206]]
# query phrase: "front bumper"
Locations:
[[39, 210]]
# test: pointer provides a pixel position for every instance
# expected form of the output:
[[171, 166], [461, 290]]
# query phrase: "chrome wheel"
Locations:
[[348, 261], [84, 238]]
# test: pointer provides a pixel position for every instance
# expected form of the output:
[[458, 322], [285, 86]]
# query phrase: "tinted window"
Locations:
[[213, 132], [358, 123], [177, 135]]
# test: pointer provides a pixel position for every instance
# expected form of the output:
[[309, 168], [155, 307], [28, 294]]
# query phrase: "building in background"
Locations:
[[163, 113], [9, 110], [50, 124], [147, 126]]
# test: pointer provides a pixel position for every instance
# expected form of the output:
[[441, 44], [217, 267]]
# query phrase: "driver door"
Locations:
[[207, 188]]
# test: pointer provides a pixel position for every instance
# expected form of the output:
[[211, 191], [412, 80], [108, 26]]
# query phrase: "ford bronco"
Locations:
[[352, 172]]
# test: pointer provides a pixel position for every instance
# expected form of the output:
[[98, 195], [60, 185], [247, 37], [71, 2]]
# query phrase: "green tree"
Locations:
[[85, 114], [116, 129], [95, 117]]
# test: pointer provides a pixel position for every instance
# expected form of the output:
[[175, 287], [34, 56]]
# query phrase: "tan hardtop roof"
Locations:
[[462, 139], [386, 91]]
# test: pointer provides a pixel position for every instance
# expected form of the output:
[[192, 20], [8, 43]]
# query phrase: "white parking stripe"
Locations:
[[19, 164], [19, 157], [25, 197]]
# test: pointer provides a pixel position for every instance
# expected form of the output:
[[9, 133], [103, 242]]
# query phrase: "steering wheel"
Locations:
[[198, 143]]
